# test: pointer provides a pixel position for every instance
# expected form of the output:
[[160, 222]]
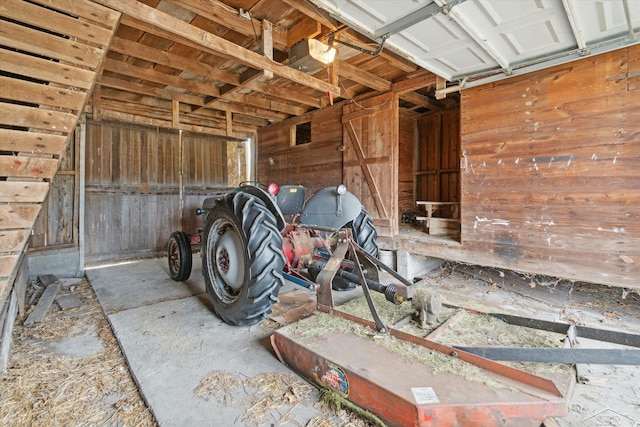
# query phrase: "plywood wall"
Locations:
[[552, 183]]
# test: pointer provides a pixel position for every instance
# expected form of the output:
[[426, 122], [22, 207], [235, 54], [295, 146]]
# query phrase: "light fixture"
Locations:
[[310, 55]]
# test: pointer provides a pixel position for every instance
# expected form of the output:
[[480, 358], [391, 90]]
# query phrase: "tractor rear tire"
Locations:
[[242, 259], [365, 234], [180, 256]]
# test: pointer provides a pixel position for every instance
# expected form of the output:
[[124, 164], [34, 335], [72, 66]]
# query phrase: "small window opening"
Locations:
[[303, 133]]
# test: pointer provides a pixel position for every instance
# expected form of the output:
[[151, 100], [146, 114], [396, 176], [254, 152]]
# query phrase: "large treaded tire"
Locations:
[[365, 234], [180, 256], [242, 259]]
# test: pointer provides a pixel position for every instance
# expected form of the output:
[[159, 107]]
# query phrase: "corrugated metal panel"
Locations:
[[474, 41]]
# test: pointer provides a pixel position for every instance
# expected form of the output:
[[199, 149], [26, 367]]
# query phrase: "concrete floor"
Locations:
[[172, 340]]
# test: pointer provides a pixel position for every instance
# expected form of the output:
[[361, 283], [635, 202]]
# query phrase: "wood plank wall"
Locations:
[[552, 184], [438, 157], [315, 165], [133, 186], [57, 223], [406, 162], [49, 56]]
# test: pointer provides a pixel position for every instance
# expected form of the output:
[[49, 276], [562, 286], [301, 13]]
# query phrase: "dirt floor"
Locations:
[[69, 370]]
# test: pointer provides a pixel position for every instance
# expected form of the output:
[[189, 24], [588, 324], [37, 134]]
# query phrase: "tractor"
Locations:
[[256, 236]]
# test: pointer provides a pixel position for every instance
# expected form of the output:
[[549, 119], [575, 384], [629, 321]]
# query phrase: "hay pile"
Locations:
[[44, 387], [271, 398], [437, 362], [484, 330]]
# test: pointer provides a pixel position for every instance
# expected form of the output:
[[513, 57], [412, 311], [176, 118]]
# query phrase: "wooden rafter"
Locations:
[[216, 45]]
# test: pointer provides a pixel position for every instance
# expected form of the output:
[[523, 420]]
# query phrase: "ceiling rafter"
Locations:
[[217, 45]]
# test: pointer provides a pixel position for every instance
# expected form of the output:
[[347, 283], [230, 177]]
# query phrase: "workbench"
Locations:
[[442, 218]]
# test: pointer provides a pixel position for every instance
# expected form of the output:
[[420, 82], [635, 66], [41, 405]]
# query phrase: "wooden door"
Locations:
[[370, 137]]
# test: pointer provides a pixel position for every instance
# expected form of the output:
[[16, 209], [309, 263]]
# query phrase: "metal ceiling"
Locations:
[[471, 42]]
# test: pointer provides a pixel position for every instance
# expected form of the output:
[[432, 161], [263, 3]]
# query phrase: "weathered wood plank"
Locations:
[[18, 216], [41, 17], [86, 9], [13, 240], [31, 142], [28, 167], [47, 45], [8, 264], [159, 77], [7, 329], [44, 303], [552, 178], [42, 69], [37, 93], [217, 45], [23, 192], [19, 115]]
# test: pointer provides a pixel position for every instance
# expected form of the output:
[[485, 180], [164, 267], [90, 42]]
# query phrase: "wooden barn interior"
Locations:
[[118, 118]]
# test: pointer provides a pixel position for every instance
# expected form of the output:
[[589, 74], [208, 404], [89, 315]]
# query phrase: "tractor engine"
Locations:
[[299, 245]]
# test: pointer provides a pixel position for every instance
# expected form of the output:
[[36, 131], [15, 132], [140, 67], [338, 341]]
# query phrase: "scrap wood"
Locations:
[[45, 301], [43, 387]]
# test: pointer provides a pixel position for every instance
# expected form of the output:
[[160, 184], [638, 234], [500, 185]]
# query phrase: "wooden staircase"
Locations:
[[51, 53]]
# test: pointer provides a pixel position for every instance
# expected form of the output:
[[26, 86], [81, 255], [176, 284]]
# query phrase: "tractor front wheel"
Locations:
[[242, 259], [180, 256]]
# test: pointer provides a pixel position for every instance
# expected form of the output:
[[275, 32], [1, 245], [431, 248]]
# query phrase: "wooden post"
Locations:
[[181, 178], [175, 114], [267, 46], [82, 143], [96, 105]]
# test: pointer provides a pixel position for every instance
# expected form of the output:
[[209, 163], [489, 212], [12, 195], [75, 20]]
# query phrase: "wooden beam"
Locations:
[[419, 80], [362, 161], [216, 45], [175, 114], [267, 46], [306, 29], [132, 118], [229, 123], [96, 106], [148, 53], [421, 100], [159, 77], [313, 12], [229, 17], [137, 88], [362, 77]]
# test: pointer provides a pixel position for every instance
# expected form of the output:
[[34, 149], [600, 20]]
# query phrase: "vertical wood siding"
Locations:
[[552, 183], [438, 170], [406, 162], [132, 199]]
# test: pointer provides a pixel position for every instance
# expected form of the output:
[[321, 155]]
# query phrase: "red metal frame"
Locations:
[[391, 386]]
